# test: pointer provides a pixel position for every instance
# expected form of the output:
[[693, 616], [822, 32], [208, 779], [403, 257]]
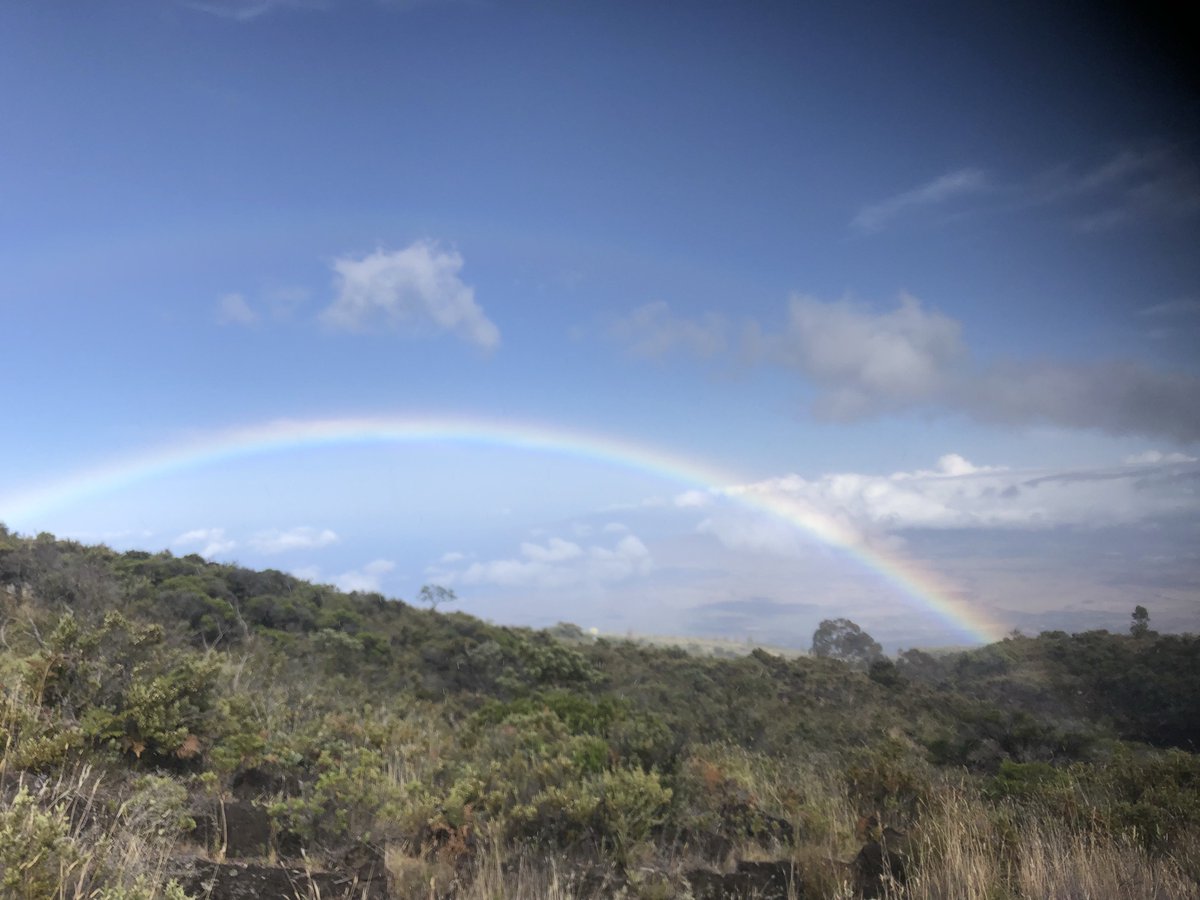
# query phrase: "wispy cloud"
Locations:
[[1146, 184], [249, 10], [653, 331], [232, 309], [950, 186], [1139, 184], [283, 541], [416, 290], [279, 304], [1175, 320], [1172, 309]]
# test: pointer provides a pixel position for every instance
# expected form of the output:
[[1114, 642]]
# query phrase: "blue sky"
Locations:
[[932, 272]]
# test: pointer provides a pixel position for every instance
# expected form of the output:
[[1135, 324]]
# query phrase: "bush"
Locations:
[[36, 851], [127, 688]]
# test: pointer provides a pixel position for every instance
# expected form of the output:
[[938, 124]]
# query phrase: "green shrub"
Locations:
[[36, 851]]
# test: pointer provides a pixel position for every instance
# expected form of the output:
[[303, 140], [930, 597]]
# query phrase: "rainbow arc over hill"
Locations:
[[930, 591]]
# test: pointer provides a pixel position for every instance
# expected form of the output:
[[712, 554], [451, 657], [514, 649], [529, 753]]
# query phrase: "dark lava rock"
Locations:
[[760, 880], [255, 783], [240, 881], [874, 866], [241, 827]]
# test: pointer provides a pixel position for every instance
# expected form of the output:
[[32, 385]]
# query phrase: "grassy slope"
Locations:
[[447, 745]]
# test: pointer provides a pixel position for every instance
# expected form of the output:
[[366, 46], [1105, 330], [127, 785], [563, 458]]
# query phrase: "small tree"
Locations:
[[1140, 627], [434, 595], [844, 640]]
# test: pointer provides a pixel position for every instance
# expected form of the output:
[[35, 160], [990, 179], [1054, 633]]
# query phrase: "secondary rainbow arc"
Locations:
[[915, 581]]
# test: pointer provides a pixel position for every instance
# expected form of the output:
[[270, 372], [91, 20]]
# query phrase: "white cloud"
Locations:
[[367, 578], [744, 530], [960, 495], [208, 542], [232, 309], [866, 360], [1156, 457], [652, 331], [558, 563], [554, 550], [940, 190], [415, 290], [693, 499], [303, 538], [950, 465]]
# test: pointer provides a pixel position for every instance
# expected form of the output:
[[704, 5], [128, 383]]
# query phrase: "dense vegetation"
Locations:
[[156, 711]]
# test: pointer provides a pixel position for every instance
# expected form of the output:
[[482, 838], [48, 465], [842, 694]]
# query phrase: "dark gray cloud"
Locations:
[[1117, 397], [863, 361]]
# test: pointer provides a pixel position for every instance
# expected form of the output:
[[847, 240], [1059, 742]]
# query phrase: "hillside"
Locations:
[[171, 725]]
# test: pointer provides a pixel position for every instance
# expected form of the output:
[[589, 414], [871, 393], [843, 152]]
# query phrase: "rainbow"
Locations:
[[923, 586]]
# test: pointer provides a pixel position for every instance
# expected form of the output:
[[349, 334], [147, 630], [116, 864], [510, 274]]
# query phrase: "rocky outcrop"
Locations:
[[760, 880], [247, 881], [879, 864], [236, 829]]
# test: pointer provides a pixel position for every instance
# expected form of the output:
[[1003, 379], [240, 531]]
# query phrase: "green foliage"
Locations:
[[1140, 626], [202, 603], [844, 640], [363, 722], [1028, 781], [32, 741], [889, 777], [632, 804], [885, 672], [1155, 796], [434, 595], [143, 888], [353, 800], [126, 687], [35, 848], [157, 806]]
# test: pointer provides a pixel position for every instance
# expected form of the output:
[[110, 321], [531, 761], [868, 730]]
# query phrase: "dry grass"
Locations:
[[1052, 862], [494, 874], [58, 840], [966, 850]]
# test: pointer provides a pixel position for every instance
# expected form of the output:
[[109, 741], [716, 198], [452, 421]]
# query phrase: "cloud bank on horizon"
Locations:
[[953, 308]]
